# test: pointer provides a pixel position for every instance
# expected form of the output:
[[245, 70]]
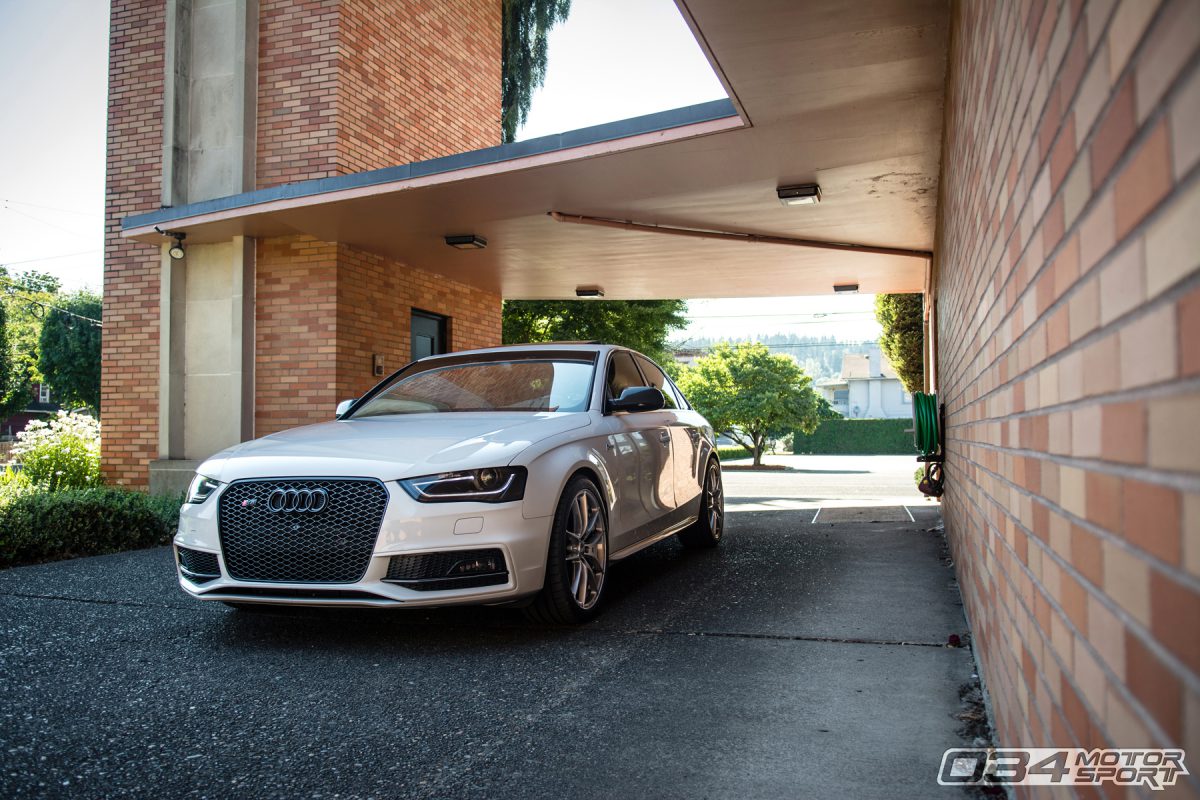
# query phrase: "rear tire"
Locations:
[[706, 532], [577, 559]]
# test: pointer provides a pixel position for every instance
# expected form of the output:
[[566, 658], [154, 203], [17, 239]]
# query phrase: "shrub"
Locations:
[[12, 485], [45, 526], [61, 454], [858, 437], [731, 453]]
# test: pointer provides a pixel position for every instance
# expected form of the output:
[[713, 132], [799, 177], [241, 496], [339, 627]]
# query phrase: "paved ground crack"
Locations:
[[774, 636]]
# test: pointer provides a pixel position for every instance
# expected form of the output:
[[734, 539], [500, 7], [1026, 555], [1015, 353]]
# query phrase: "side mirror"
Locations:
[[343, 407], [638, 398]]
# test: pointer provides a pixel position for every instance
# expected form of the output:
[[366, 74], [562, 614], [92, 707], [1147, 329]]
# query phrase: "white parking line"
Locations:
[[910, 516], [814, 519]]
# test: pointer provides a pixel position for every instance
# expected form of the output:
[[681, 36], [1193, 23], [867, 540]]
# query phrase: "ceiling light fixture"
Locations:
[[468, 241], [805, 194], [589, 291], [845, 288]]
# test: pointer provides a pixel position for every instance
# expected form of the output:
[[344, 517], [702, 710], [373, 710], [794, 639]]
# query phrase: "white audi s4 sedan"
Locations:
[[511, 475]]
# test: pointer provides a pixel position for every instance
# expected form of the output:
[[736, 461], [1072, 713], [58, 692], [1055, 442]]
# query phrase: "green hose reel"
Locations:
[[927, 437]]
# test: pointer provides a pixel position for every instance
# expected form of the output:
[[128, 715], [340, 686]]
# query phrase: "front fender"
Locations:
[[550, 472]]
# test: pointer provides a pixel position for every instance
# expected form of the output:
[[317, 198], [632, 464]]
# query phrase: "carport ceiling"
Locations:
[[849, 97]]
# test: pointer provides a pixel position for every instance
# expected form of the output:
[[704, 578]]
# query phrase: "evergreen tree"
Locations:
[[903, 337], [526, 23]]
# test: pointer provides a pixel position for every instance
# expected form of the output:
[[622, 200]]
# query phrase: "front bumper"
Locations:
[[408, 528]]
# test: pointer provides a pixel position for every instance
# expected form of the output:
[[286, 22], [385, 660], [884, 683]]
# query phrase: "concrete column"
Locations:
[[210, 115], [206, 372]]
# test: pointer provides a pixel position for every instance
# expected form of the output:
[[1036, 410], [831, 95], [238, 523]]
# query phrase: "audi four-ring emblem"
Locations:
[[300, 500]]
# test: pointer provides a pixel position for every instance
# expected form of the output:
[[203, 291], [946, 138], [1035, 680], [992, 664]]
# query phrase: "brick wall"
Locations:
[[297, 90], [375, 300], [352, 85], [442, 95], [323, 310], [1069, 325], [129, 382], [295, 330]]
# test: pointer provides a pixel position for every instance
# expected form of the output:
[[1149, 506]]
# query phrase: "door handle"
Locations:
[[664, 437]]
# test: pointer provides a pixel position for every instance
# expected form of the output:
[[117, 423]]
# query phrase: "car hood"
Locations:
[[390, 447]]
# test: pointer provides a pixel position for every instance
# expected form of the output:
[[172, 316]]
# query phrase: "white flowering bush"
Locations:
[[63, 453]]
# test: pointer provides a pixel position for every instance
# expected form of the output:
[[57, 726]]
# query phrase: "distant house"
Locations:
[[688, 356], [41, 405], [867, 388]]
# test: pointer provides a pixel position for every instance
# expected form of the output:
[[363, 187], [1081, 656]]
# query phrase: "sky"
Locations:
[[610, 60], [54, 59]]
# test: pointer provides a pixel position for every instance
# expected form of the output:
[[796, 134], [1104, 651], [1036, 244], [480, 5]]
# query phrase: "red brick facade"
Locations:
[[324, 310], [131, 269], [353, 85], [343, 86], [1069, 325]]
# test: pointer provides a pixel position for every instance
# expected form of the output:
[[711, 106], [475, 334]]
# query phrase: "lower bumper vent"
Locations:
[[455, 569], [198, 566]]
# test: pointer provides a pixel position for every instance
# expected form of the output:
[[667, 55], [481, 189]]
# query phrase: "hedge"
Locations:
[[731, 453], [863, 437], [47, 526]]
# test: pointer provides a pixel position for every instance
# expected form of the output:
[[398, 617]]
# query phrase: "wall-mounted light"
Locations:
[[467, 241], [805, 194], [845, 288], [176, 250], [589, 291]]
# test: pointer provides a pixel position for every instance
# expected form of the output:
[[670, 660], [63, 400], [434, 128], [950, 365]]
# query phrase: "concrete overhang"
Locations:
[[850, 98]]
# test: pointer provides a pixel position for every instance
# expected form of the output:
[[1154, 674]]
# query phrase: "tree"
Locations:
[[69, 349], [751, 395], [526, 24], [20, 294], [642, 325], [903, 337]]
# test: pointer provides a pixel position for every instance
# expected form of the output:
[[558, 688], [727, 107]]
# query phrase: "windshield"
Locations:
[[511, 385]]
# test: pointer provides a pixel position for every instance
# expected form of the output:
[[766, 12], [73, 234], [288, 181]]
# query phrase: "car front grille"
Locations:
[[264, 538], [452, 569], [198, 566]]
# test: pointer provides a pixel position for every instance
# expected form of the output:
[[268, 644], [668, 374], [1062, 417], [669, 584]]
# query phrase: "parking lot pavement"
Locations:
[[798, 660]]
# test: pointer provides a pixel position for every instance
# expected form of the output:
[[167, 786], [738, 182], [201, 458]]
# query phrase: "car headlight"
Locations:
[[201, 488], [488, 485]]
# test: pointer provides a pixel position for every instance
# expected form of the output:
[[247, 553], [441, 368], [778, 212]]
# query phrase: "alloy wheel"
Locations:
[[714, 499], [587, 548]]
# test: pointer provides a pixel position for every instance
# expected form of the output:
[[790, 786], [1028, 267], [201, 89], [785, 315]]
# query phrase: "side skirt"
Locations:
[[642, 544]]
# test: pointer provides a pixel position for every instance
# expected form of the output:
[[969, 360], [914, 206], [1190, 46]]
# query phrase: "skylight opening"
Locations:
[[616, 59]]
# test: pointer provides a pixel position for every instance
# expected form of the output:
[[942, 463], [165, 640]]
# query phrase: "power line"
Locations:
[[785, 314], [18, 290], [48, 258], [47, 208], [46, 222]]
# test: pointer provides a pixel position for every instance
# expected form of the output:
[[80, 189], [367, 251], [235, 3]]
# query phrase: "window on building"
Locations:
[[43, 393], [841, 396]]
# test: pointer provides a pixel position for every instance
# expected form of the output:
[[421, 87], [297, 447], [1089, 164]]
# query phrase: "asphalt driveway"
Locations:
[[798, 660]]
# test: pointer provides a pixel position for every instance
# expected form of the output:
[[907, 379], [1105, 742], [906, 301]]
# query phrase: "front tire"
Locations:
[[707, 531], [577, 560]]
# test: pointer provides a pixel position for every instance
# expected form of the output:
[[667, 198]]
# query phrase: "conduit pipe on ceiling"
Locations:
[[728, 236]]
